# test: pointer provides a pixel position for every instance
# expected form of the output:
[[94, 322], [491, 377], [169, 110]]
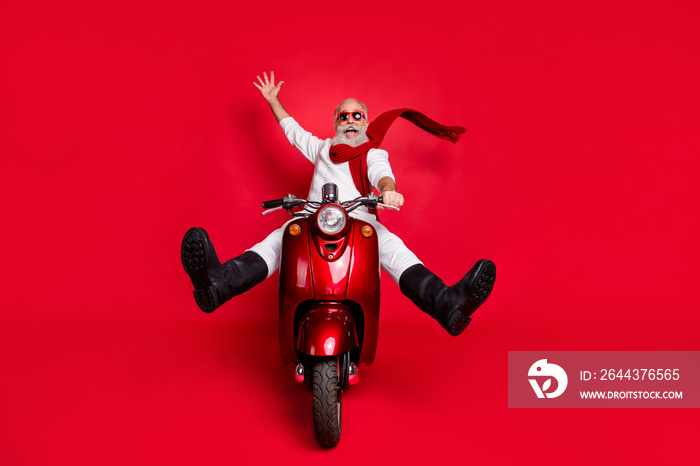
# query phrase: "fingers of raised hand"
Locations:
[[267, 83]]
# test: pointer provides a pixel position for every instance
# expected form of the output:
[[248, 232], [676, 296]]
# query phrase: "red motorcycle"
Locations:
[[328, 299]]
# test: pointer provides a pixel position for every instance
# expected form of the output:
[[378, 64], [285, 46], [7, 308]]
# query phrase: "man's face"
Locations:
[[351, 131]]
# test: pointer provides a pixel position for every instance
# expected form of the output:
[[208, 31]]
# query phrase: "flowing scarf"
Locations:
[[357, 156]]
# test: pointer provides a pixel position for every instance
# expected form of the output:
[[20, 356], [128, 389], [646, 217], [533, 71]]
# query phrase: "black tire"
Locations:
[[326, 401]]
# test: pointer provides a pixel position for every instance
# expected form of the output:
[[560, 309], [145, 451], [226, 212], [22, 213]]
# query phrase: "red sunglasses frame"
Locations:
[[351, 114]]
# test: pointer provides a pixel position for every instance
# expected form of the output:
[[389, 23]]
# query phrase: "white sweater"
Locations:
[[317, 152]]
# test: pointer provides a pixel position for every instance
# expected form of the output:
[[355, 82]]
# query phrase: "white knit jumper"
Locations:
[[394, 256]]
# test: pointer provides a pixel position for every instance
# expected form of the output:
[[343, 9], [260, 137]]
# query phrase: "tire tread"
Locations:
[[326, 401]]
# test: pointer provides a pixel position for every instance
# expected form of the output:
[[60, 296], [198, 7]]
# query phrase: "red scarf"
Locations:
[[357, 156]]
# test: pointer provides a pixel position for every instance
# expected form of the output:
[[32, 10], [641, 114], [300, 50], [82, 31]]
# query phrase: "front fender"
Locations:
[[327, 330]]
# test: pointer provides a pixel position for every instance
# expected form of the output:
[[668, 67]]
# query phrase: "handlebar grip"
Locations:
[[380, 200], [271, 204]]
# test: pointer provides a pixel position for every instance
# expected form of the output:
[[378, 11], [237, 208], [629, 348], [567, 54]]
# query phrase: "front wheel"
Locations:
[[326, 392]]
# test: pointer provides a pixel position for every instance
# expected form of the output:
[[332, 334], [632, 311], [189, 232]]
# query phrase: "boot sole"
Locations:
[[480, 291], [194, 257], [460, 324], [205, 300], [195, 261]]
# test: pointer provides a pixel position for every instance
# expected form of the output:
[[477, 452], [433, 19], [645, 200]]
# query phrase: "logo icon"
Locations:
[[542, 369]]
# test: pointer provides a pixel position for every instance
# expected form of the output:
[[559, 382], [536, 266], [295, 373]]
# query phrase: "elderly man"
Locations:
[[353, 161]]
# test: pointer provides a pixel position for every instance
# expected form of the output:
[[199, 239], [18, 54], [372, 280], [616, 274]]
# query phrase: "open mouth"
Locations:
[[351, 132]]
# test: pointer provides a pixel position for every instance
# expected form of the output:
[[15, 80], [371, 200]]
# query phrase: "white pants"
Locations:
[[394, 256]]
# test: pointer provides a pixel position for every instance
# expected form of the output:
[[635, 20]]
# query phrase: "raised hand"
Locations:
[[267, 87]]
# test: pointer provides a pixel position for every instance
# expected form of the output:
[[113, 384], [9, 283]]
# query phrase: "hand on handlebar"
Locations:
[[391, 198]]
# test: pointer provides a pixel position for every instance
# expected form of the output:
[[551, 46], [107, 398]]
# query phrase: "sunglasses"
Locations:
[[357, 116]]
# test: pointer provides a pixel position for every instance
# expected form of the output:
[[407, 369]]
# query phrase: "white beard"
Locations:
[[359, 139]]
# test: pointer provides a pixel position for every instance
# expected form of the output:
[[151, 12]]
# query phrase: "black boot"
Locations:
[[450, 306], [214, 282]]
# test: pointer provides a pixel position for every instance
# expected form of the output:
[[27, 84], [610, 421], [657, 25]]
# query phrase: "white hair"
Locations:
[[337, 109]]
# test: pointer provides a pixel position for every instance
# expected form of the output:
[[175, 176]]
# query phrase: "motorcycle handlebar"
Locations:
[[272, 204], [290, 201]]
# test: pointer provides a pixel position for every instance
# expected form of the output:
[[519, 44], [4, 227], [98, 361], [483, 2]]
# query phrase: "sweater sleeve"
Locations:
[[378, 166], [308, 144]]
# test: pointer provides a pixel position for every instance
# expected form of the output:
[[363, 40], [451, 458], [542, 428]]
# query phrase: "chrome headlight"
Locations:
[[331, 219]]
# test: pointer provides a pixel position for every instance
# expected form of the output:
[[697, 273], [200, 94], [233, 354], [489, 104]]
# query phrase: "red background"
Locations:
[[124, 123]]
